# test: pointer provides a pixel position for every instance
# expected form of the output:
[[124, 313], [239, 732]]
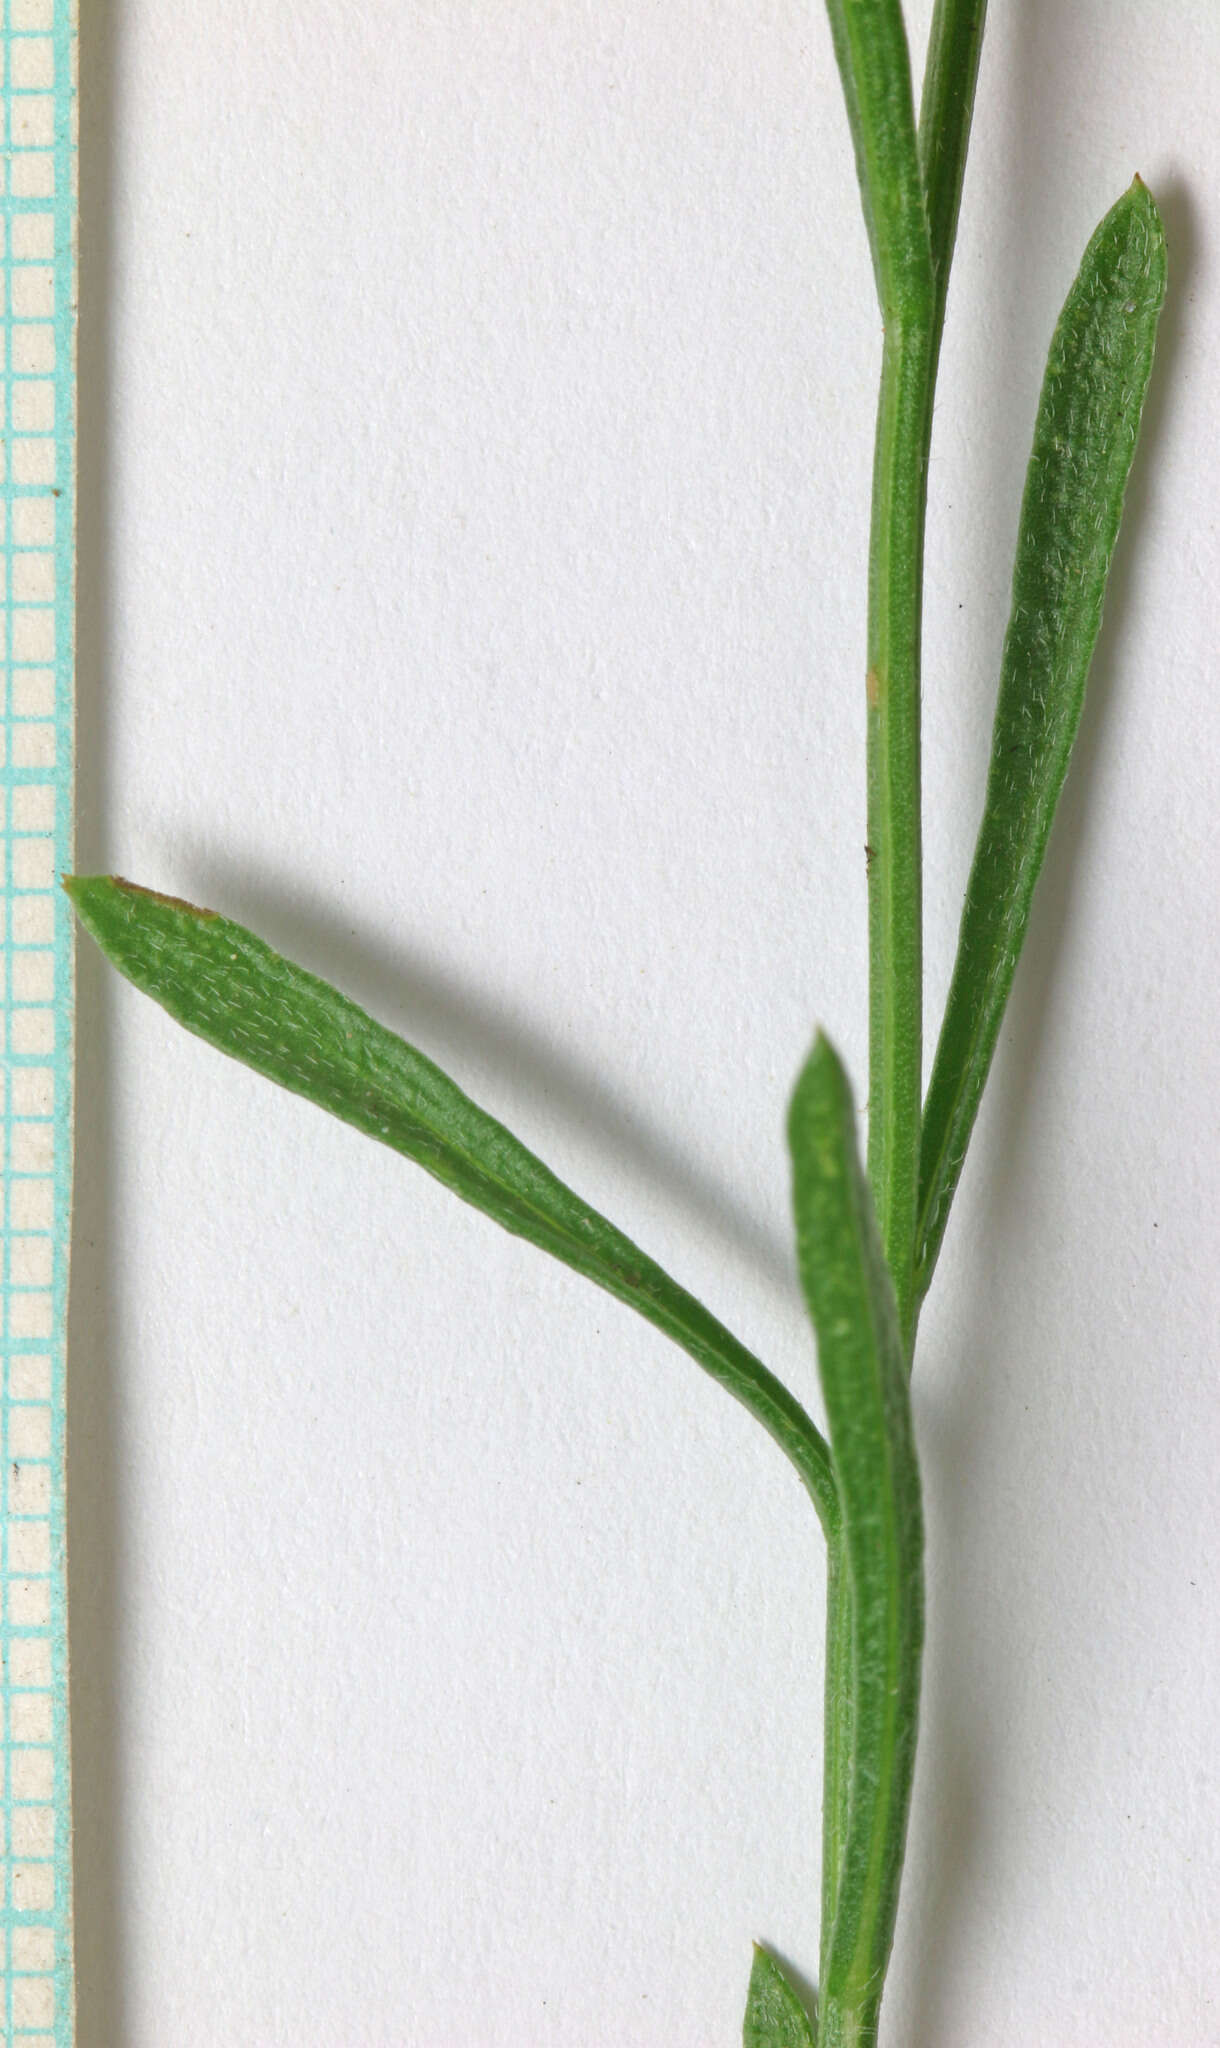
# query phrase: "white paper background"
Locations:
[[476, 404]]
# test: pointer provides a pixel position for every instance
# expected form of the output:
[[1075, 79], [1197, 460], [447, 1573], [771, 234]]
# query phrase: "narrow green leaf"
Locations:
[[870, 43], [1084, 441], [945, 115], [225, 985], [775, 2015], [864, 1383]]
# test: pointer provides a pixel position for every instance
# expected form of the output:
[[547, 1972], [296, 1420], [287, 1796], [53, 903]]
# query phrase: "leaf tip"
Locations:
[[104, 903], [776, 2015], [84, 891], [1138, 200], [824, 1065]]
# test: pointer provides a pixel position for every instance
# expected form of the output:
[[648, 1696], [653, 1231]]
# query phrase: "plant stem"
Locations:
[[900, 478], [840, 2027], [911, 212], [836, 1738], [914, 325]]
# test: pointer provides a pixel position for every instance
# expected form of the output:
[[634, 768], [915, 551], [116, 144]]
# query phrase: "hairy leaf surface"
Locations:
[[1084, 441], [862, 1364], [228, 987], [775, 2015]]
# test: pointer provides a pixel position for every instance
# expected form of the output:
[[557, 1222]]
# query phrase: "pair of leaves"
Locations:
[[910, 178], [1084, 440], [910, 186], [231, 989]]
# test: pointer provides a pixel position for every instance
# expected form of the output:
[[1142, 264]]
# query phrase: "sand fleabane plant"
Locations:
[[868, 1234]]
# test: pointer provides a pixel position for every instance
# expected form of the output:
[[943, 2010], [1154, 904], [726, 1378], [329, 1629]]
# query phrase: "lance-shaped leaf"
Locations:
[[228, 987], [873, 56], [1084, 441], [775, 2015], [864, 1383], [955, 42]]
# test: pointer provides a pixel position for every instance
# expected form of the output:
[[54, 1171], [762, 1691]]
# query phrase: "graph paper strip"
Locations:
[[38, 274]]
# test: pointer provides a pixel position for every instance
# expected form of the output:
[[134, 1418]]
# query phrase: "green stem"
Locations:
[[841, 2027], [911, 190], [900, 479], [904, 431], [837, 1737]]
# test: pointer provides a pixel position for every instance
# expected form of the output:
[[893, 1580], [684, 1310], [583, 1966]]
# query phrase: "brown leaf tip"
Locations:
[[159, 896]]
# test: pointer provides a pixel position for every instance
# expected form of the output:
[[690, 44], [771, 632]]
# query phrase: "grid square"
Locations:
[[29, 1379], [30, 1715], [29, 1661], [33, 920], [34, 807], [32, 63], [33, 2001], [29, 1436], [32, 235], [33, 863], [34, 1831], [34, 518], [32, 120], [32, 1147], [32, 292], [33, 631], [33, 1948], [33, 575], [33, 350], [32, 177], [33, 746], [29, 1486], [33, 688], [32, 1204], [29, 1261], [31, 1031], [29, 1315], [34, 462], [34, 1888], [32, 407], [33, 978], [29, 1548], [25, 15], [33, 1093], [29, 1603]]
